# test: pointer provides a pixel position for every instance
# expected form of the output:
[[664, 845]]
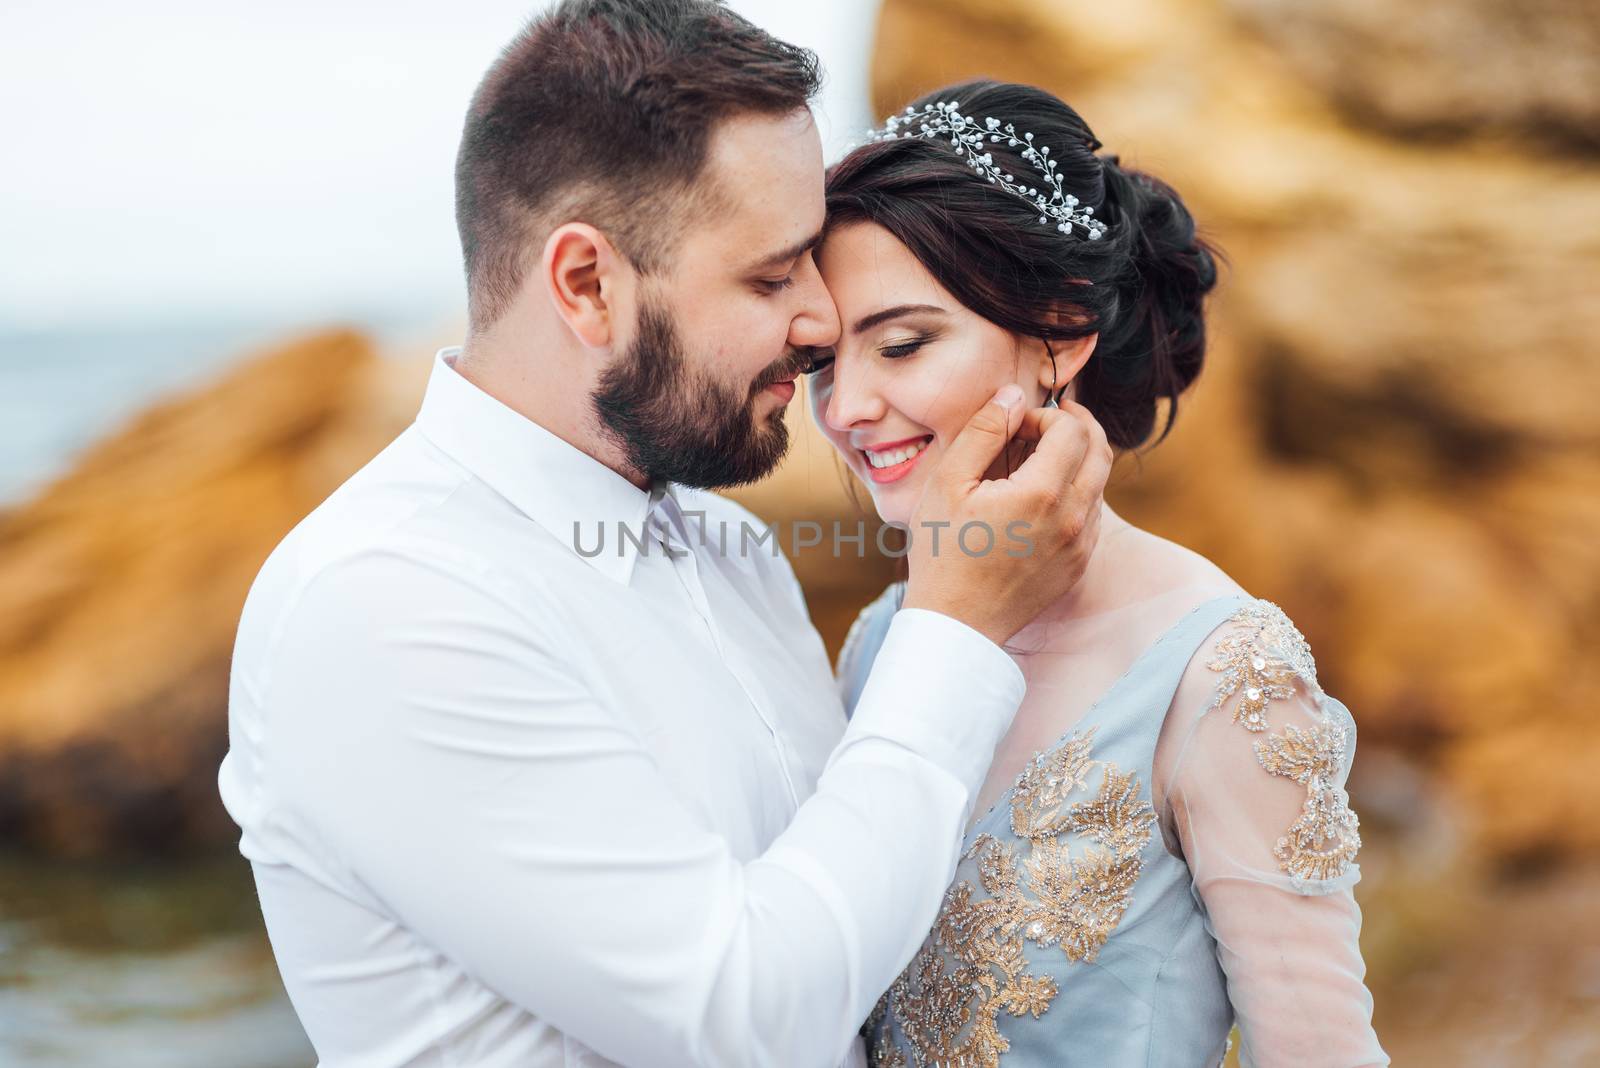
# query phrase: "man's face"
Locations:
[[698, 394]]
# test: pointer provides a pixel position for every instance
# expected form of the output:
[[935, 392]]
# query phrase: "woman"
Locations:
[[1163, 843]]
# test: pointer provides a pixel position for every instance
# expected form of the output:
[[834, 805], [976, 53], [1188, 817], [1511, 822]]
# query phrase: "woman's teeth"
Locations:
[[895, 456]]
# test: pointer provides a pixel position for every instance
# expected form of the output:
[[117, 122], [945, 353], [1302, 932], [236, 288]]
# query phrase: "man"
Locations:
[[513, 801]]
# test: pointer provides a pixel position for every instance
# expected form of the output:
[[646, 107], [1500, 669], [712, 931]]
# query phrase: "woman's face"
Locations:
[[911, 366]]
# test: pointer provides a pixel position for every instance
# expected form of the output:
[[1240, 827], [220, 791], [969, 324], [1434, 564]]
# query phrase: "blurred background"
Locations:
[[227, 254]]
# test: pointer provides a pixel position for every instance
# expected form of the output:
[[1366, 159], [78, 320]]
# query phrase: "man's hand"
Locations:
[[1044, 518]]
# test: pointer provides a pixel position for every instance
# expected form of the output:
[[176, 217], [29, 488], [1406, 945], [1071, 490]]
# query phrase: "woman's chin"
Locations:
[[894, 504]]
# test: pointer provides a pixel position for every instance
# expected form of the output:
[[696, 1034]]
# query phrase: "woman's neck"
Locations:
[[1098, 590]]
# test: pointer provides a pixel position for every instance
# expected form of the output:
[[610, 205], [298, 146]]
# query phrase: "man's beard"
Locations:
[[684, 427]]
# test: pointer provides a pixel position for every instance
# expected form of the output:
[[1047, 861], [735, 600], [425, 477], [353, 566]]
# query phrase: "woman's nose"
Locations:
[[852, 398]]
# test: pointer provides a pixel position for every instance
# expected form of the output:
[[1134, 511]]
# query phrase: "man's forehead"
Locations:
[[768, 178]]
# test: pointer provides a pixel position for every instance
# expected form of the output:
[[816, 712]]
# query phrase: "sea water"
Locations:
[[62, 389]]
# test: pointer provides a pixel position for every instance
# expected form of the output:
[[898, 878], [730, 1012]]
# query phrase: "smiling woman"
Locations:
[[954, 278], [1129, 294], [925, 260]]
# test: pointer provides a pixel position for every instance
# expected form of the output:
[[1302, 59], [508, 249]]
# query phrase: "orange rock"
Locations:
[[121, 586]]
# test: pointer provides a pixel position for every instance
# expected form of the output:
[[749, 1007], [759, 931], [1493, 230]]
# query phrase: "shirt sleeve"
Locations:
[[1252, 762], [445, 753]]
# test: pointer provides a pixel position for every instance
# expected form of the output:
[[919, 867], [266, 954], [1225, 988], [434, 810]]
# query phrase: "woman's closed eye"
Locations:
[[895, 350], [899, 350]]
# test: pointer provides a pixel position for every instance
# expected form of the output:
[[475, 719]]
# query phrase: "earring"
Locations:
[[1050, 392]]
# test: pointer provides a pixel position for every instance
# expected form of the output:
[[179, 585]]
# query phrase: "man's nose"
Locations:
[[816, 323]]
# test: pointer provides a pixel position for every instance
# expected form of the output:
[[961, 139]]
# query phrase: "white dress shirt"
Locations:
[[510, 801]]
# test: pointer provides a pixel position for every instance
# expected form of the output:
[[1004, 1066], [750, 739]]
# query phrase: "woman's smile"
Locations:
[[891, 461]]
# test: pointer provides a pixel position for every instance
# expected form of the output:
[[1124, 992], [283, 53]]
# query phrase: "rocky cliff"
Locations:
[[1395, 435], [121, 586]]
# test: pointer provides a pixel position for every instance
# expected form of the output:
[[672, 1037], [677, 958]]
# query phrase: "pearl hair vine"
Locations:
[[944, 120]]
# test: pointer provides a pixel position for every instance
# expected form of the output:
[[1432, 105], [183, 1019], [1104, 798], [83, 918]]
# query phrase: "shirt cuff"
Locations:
[[942, 690]]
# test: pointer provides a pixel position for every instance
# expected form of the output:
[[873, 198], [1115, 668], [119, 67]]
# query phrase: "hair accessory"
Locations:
[[944, 120]]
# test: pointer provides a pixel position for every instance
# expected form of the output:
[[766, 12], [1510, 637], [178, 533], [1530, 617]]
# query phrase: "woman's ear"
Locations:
[[1070, 356], [585, 277]]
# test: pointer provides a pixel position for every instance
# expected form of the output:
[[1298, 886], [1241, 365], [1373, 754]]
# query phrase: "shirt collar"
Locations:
[[569, 493]]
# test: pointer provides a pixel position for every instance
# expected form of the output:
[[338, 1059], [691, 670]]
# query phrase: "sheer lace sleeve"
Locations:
[[861, 644], [1252, 764]]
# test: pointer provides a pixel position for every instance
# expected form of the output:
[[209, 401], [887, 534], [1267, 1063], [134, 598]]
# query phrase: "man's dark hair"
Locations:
[[602, 111]]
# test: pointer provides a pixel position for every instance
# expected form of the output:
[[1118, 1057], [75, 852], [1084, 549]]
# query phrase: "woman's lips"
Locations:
[[899, 470]]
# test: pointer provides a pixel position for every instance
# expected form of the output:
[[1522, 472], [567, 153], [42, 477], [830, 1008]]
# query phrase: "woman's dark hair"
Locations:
[[1149, 271]]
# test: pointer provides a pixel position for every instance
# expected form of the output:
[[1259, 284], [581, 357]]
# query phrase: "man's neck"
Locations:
[[552, 392]]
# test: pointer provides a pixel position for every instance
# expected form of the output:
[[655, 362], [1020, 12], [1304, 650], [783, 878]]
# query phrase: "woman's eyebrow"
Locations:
[[867, 322]]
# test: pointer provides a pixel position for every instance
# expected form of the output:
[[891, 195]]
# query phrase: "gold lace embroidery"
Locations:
[[1260, 661], [881, 1052], [1323, 842], [948, 1001]]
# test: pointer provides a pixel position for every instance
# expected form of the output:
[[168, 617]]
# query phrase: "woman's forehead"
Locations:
[[868, 264]]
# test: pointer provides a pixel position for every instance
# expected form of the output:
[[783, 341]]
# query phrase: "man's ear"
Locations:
[[586, 280]]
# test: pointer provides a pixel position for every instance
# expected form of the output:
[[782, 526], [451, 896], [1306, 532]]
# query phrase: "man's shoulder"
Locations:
[[406, 513], [388, 498]]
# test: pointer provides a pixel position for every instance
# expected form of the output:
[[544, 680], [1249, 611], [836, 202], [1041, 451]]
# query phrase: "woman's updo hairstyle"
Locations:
[[1149, 271]]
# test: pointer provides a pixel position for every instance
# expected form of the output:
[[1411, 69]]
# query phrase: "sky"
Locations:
[[178, 159]]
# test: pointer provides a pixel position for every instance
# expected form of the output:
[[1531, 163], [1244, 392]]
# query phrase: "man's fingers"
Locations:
[[1095, 470], [980, 441], [1066, 437], [1029, 430]]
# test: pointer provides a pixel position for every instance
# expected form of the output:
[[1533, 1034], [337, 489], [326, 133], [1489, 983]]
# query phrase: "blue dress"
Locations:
[[1078, 928]]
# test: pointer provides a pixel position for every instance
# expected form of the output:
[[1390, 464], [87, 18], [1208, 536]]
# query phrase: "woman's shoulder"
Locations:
[[1254, 657], [1164, 565], [1243, 651], [1166, 594], [862, 641]]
